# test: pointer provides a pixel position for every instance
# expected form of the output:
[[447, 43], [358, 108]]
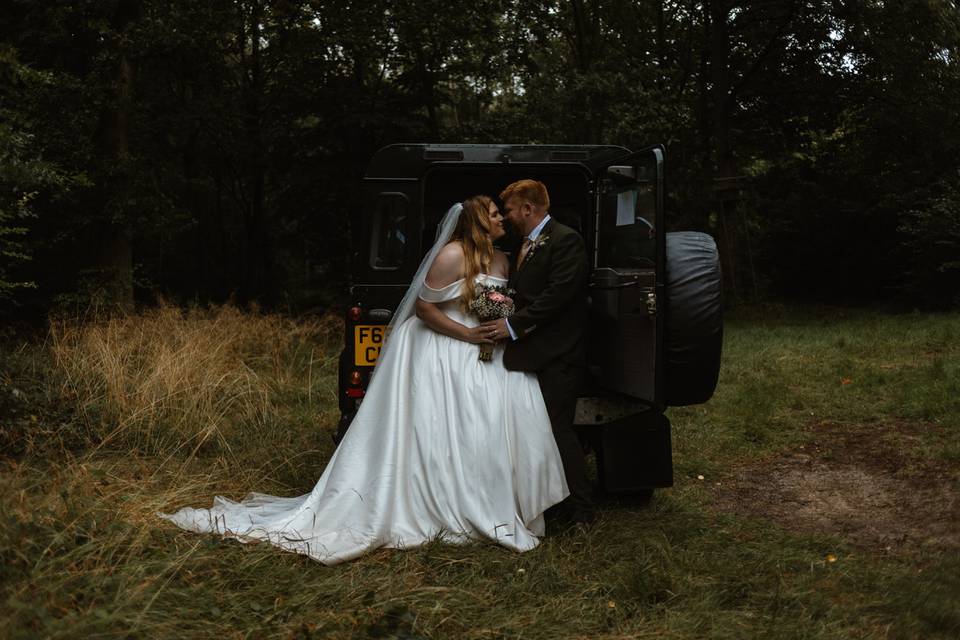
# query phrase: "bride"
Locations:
[[444, 446]]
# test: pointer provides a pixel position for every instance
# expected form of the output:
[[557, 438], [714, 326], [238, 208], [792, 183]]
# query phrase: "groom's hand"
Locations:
[[496, 330]]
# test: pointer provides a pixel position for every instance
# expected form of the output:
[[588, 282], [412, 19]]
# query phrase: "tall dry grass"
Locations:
[[169, 380], [161, 409]]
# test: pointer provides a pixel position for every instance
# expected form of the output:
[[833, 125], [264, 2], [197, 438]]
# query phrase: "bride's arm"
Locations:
[[440, 322], [446, 270]]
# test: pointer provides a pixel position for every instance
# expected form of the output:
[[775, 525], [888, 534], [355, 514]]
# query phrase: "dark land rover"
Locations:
[[655, 314]]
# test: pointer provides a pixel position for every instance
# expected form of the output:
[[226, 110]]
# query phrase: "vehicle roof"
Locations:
[[412, 160]]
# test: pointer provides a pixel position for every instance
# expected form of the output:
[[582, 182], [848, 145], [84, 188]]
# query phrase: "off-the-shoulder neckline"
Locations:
[[479, 275]]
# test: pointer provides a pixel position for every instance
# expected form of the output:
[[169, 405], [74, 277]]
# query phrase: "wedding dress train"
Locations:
[[444, 446]]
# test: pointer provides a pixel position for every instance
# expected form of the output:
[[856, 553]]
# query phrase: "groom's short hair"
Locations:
[[532, 190]]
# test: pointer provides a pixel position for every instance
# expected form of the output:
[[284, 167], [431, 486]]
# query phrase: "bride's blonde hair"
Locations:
[[473, 234]]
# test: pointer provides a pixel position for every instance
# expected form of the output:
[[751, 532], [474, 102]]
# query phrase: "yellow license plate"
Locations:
[[367, 339]]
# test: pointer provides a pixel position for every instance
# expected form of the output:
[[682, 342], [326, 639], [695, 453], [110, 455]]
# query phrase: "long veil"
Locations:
[[406, 307]]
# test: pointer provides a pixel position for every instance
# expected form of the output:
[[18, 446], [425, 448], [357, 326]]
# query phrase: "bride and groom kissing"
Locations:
[[446, 445]]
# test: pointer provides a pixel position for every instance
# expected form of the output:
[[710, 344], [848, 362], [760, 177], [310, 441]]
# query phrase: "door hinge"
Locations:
[[651, 304]]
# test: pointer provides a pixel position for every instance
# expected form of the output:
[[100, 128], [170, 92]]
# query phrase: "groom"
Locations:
[[546, 333]]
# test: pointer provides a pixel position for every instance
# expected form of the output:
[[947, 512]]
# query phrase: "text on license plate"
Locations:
[[367, 339]]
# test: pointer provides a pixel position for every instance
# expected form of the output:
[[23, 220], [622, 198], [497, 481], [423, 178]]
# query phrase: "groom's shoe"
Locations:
[[558, 519], [583, 520], [573, 522], [564, 518]]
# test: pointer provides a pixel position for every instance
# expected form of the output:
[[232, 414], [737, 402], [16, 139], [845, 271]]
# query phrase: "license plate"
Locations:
[[367, 339]]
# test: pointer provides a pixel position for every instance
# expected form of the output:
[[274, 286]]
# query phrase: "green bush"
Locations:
[[932, 238]]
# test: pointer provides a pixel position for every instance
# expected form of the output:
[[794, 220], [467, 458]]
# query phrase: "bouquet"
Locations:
[[491, 303]]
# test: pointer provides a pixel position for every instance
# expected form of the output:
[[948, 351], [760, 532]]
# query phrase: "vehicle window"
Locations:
[[389, 232], [628, 221]]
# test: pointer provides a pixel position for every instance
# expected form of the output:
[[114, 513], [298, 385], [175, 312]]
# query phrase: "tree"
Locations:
[[25, 176], [223, 143]]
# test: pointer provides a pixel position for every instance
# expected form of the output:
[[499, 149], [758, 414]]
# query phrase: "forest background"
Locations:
[[212, 151]]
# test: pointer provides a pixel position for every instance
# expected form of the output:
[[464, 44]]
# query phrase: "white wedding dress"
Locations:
[[444, 446]]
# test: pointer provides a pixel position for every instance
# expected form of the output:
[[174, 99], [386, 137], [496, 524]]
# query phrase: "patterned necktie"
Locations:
[[523, 251]]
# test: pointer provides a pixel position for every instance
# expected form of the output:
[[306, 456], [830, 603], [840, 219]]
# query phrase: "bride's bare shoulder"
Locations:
[[447, 267], [452, 249]]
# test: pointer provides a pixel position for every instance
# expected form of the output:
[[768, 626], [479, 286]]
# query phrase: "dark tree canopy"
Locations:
[[212, 150]]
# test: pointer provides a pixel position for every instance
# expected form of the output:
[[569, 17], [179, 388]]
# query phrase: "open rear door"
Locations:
[[626, 282]]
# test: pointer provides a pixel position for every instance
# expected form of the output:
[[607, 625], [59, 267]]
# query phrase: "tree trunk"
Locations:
[[661, 47], [703, 97], [584, 40], [724, 166], [112, 251], [428, 92], [721, 94], [258, 280]]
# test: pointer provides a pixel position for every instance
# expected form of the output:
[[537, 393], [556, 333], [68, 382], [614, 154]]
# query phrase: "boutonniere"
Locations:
[[541, 240]]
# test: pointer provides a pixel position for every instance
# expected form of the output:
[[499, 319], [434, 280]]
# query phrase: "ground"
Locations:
[[815, 495], [856, 481]]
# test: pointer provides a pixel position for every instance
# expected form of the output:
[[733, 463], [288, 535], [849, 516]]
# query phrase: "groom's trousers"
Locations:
[[560, 383]]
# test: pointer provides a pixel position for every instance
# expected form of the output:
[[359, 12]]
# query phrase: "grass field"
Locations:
[[816, 495]]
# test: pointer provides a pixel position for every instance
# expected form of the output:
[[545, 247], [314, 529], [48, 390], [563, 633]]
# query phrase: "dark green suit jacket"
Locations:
[[551, 302]]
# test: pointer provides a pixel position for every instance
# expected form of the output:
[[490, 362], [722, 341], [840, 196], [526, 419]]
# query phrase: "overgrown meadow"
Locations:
[[816, 495]]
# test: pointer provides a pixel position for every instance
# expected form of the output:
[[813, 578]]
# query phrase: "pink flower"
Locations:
[[498, 297]]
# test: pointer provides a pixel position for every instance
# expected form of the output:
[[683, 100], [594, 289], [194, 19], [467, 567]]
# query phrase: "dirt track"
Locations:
[[864, 483]]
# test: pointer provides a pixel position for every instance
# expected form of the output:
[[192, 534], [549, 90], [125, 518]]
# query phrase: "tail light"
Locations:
[[354, 390], [354, 313]]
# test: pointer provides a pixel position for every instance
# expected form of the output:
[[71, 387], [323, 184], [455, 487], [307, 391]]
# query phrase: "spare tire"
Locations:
[[694, 318]]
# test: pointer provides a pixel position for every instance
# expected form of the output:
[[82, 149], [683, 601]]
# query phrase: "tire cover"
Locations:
[[694, 318]]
